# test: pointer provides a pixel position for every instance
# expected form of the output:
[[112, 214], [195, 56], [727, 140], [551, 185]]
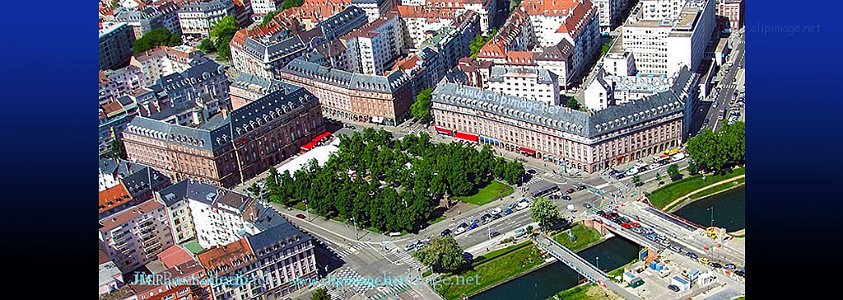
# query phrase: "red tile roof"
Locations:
[[174, 256], [227, 258], [113, 197]]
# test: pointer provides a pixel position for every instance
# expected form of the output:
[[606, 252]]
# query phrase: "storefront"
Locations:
[[466, 136]]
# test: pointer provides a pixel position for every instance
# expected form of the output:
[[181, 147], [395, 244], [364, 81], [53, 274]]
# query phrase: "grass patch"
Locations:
[[675, 190], [585, 236], [619, 271], [491, 192], [717, 188], [497, 253], [575, 293], [193, 246], [489, 272]]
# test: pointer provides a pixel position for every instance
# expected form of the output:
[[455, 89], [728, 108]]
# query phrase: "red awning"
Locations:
[[527, 150], [308, 146], [466, 136], [444, 131]]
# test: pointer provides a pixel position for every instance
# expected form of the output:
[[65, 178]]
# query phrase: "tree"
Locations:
[[320, 294], [207, 46], [221, 34], [673, 172], [155, 38], [636, 180], [606, 47], [658, 176], [715, 151], [693, 168], [545, 212], [442, 254], [421, 108], [291, 3], [573, 104], [480, 41], [118, 149], [268, 17]]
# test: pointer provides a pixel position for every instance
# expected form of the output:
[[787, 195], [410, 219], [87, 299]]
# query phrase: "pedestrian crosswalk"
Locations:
[[354, 249], [405, 258], [347, 282]]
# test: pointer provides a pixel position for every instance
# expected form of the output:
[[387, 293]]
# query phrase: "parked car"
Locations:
[[497, 210], [637, 230], [494, 234], [740, 273], [729, 266], [496, 216], [703, 260], [507, 212], [635, 224], [715, 265], [445, 232], [472, 226], [676, 248], [570, 190], [586, 205], [626, 225], [459, 230], [531, 172], [673, 288], [692, 255], [410, 246], [581, 187], [301, 216], [566, 197], [619, 176], [665, 242]]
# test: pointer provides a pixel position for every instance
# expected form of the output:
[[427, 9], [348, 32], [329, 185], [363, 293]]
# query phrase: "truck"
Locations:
[[571, 208]]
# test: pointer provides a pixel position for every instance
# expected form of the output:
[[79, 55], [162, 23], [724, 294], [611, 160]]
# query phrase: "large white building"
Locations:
[[666, 35], [375, 47], [211, 215], [163, 61], [609, 12], [533, 83], [196, 18]]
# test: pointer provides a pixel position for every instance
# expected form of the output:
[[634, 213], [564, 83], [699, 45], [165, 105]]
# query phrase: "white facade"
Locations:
[[599, 93], [609, 11], [371, 49], [620, 63], [197, 18], [263, 7], [663, 40], [532, 83]]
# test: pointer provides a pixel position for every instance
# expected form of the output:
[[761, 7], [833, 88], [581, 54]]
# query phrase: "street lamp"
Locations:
[[598, 262], [712, 216]]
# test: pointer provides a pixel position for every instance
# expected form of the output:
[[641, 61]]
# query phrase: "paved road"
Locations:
[[727, 85], [580, 265]]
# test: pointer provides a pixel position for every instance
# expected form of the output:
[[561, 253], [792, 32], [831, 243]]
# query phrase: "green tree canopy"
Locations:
[[154, 38], [421, 108], [673, 172], [442, 254], [207, 46], [545, 212], [573, 104], [118, 149], [320, 294], [268, 17], [714, 151], [221, 34]]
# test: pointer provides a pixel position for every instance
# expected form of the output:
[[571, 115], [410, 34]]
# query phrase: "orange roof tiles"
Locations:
[[520, 58], [227, 258], [114, 196]]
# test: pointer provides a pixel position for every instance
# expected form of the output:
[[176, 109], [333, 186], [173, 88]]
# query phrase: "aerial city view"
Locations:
[[421, 149]]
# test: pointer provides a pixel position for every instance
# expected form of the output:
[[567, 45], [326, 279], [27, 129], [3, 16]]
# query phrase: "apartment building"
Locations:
[[162, 61], [537, 84], [354, 96], [227, 149], [664, 36], [581, 141], [133, 237], [373, 48], [197, 17], [164, 14], [115, 45]]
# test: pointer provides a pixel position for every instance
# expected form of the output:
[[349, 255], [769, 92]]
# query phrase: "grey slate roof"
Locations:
[[249, 81], [284, 234], [188, 189], [263, 110], [139, 181], [584, 124], [354, 81], [498, 72], [273, 47], [343, 22], [561, 51]]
